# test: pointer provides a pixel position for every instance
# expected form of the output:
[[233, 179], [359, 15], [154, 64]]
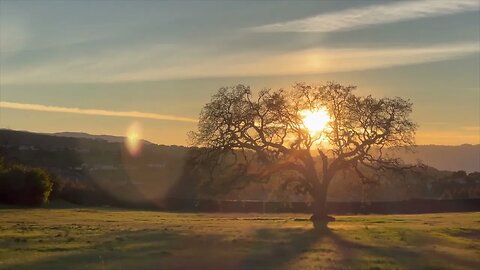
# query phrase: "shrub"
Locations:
[[24, 186]]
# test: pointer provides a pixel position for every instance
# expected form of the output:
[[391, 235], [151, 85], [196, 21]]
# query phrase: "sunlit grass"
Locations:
[[121, 239]]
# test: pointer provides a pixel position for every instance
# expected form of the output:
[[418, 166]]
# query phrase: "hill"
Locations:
[[465, 157], [82, 135], [100, 169]]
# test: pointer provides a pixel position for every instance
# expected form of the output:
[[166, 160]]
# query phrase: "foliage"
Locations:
[[24, 186]]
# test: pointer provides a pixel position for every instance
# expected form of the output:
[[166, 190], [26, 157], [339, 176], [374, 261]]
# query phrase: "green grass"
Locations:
[[95, 238]]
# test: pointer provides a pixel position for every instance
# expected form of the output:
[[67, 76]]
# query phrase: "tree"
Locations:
[[24, 186], [261, 136]]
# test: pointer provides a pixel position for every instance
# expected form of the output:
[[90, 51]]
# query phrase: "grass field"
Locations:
[[95, 238]]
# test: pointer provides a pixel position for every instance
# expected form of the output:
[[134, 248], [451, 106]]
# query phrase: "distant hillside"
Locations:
[[450, 158], [98, 163], [108, 138], [90, 163], [464, 157]]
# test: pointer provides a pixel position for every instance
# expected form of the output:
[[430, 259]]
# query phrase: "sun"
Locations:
[[315, 121]]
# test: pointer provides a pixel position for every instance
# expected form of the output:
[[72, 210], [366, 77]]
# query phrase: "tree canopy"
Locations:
[[261, 135]]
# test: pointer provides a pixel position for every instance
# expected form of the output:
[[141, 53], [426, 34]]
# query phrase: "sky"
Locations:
[[102, 66]]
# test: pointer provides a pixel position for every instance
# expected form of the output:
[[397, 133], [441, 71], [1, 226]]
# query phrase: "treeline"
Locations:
[[23, 185], [32, 186]]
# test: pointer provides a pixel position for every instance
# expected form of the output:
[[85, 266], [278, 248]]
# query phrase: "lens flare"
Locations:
[[133, 140], [315, 121]]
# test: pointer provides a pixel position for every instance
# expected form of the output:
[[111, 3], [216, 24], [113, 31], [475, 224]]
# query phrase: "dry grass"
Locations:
[[95, 238]]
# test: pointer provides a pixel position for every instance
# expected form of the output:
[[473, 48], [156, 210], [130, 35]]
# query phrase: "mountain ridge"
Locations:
[[443, 157], [84, 135]]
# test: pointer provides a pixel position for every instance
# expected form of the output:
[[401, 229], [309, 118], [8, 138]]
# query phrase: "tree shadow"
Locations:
[[266, 248], [275, 248], [170, 249], [287, 248], [357, 255], [161, 249]]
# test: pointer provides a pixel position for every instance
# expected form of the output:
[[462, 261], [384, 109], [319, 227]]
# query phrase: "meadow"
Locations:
[[105, 238]]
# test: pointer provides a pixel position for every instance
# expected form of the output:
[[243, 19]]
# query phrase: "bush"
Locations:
[[24, 186], [58, 186]]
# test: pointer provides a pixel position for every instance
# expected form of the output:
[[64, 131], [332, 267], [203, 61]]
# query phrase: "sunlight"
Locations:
[[315, 121], [133, 139]]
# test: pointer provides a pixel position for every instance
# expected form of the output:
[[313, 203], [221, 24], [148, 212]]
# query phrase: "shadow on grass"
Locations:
[[274, 248], [424, 255], [283, 248], [269, 248]]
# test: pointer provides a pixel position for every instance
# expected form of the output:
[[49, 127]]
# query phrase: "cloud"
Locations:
[[96, 112], [355, 18], [181, 63], [311, 61]]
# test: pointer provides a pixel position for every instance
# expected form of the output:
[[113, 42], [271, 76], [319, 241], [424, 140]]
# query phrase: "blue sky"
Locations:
[[98, 66]]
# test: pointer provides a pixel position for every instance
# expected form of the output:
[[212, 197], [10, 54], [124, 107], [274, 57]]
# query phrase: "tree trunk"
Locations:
[[320, 217]]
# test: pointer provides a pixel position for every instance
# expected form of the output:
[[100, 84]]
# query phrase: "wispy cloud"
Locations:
[[311, 61], [348, 19], [135, 66], [96, 112]]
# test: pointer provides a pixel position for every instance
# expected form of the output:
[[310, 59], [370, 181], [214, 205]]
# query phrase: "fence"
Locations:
[[415, 206]]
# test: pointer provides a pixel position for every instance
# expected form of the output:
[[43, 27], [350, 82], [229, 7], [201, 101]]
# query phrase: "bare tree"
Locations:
[[264, 135]]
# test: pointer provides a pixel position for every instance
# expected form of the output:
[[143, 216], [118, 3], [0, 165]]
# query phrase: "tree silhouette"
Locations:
[[258, 137]]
